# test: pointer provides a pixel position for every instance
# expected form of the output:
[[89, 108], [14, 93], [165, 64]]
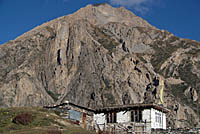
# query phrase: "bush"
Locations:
[[23, 119], [54, 132]]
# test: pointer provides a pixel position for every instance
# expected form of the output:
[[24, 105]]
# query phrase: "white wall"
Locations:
[[146, 115], [122, 117], [164, 121], [100, 118], [155, 124]]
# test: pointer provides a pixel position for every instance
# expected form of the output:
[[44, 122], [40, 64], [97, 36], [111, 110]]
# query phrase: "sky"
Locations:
[[180, 17]]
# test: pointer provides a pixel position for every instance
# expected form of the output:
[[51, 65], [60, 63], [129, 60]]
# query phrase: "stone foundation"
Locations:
[[177, 131]]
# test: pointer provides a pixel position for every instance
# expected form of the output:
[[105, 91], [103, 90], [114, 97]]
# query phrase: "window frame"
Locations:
[[111, 117], [136, 115], [158, 117]]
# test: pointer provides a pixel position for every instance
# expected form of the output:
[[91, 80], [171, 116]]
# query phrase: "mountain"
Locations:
[[102, 56]]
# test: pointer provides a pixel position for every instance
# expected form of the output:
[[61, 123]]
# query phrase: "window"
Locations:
[[140, 116], [136, 116], [158, 118], [75, 115], [132, 116], [111, 117]]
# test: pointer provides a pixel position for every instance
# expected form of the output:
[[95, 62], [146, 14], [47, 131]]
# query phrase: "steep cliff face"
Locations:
[[101, 56]]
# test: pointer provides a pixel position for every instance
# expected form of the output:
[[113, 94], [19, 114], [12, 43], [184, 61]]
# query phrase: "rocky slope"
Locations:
[[101, 56]]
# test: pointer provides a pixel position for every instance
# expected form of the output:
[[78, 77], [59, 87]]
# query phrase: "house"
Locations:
[[139, 118], [77, 114], [135, 118]]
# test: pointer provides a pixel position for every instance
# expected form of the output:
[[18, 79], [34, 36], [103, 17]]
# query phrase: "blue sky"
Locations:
[[180, 17]]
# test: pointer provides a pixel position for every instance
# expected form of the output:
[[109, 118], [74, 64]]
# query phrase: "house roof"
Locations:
[[71, 104], [118, 108], [115, 108]]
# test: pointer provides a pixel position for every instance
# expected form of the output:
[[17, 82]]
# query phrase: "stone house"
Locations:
[[77, 114], [137, 118], [133, 118]]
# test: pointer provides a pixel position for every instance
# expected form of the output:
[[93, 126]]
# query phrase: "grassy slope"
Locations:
[[44, 122]]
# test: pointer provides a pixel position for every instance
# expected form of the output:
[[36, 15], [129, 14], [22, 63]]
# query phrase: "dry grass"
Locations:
[[43, 122]]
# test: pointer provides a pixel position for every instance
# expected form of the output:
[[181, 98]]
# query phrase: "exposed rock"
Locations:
[[192, 93], [101, 56], [174, 81]]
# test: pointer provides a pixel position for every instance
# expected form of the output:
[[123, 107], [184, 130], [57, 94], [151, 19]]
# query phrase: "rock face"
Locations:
[[100, 56]]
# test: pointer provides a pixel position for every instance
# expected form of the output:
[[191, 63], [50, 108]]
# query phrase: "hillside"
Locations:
[[43, 122], [100, 56]]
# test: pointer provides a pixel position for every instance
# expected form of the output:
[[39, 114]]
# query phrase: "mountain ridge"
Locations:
[[107, 56]]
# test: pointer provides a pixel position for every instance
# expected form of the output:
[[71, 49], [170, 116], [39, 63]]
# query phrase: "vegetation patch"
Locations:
[[54, 96], [107, 83], [104, 37], [110, 98], [54, 132], [178, 90], [23, 119], [172, 39], [190, 118], [194, 52], [162, 53], [185, 71], [99, 4], [140, 56], [32, 120]]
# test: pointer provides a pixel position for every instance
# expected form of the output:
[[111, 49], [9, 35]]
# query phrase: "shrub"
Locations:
[[23, 119], [54, 132]]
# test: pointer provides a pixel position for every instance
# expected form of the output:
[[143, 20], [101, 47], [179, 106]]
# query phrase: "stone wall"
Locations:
[[124, 128], [177, 131], [86, 117]]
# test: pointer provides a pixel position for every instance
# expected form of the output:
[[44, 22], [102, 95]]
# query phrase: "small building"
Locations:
[[135, 118], [77, 114], [139, 118]]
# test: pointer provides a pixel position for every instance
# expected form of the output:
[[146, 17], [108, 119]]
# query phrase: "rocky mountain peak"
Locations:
[[102, 56], [104, 13]]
